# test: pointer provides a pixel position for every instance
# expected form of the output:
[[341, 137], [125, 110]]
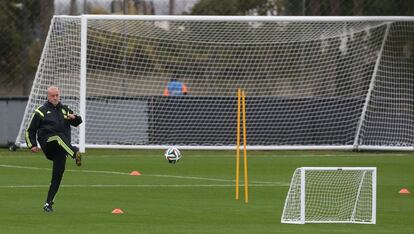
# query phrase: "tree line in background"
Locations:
[[23, 28], [24, 25], [305, 7]]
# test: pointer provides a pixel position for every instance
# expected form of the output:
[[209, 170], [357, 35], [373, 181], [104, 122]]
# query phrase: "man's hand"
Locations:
[[35, 149], [71, 116]]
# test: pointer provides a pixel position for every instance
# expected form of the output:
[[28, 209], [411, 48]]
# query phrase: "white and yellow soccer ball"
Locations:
[[173, 155]]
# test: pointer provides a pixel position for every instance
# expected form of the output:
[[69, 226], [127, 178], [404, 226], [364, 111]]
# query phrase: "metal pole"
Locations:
[[126, 7], [172, 7], [85, 7], [23, 54], [82, 88]]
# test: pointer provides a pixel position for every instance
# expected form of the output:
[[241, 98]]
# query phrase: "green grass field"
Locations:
[[194, 196]]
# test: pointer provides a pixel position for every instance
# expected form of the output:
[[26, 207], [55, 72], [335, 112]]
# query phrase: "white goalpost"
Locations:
[[310, 82], [331, 195]]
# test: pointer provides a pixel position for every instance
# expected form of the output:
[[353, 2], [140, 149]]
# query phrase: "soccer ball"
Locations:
[[173, 155]]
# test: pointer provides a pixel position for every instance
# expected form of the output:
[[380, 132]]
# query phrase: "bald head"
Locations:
[[53, 95]]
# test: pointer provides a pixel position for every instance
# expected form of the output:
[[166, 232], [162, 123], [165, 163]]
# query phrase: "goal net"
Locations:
[[310, 82], [331, 195]]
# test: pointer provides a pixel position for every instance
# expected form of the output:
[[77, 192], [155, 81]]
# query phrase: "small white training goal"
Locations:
[[331, 195]]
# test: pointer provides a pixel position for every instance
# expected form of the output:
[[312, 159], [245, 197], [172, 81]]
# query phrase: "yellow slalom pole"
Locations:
[[238, 144], [246, 187]]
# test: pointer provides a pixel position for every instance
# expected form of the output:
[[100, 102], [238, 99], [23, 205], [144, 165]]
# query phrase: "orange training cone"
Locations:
[[404, 191], [117, 211], [135, 173]]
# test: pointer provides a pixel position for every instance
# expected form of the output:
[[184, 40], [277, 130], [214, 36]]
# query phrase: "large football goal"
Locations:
[[310, 82]]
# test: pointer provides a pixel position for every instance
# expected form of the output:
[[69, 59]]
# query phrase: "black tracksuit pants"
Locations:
[[56, 149]]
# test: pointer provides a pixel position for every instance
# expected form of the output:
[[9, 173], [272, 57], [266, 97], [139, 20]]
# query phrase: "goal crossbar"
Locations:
[[218, 18]]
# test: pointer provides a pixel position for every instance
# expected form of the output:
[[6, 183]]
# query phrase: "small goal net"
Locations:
[[331, 195]]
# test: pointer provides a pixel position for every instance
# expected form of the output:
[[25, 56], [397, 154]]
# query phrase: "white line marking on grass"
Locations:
[[135, 185], [26, 186], [24, 167], [203, 178], [153, 175], [276, 155]]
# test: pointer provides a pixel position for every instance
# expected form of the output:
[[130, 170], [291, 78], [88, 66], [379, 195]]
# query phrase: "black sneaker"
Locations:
[[48, 207], [78, 159]]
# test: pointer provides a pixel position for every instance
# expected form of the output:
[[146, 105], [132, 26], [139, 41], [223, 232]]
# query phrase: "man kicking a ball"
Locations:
[[51, 122]]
